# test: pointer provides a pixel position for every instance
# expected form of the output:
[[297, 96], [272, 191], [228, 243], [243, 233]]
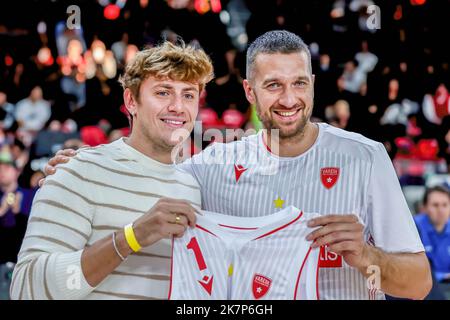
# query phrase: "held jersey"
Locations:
[[228, 257]]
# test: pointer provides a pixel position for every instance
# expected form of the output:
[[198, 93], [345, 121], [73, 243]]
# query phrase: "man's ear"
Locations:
[[130, 101], [249, 92]]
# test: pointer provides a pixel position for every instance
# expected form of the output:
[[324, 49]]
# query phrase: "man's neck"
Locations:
[[439, 227], [295, 146], [148, 148]]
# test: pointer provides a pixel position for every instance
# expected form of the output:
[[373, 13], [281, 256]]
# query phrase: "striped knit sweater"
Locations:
[[98, 191]]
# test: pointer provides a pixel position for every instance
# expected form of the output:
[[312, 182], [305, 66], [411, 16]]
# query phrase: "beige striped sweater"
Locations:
[[99, 191]]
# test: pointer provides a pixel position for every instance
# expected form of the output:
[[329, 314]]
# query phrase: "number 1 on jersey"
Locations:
[[193, 245]]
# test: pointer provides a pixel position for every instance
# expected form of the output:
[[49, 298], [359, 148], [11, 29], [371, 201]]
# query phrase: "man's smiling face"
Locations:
[[165, 106], [282, 87]]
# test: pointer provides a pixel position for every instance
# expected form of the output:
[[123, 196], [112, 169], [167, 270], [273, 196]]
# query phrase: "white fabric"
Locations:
[[366, 186], [270, 258]]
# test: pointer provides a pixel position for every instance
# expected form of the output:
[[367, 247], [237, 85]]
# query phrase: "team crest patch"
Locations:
[[261, 286], [329, 176]]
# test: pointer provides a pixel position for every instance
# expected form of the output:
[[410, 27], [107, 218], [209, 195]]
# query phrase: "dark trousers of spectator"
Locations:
[[8, 245]]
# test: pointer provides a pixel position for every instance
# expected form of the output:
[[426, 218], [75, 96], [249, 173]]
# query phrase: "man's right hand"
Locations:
[[100, 259], [62, 156], [161, 221]]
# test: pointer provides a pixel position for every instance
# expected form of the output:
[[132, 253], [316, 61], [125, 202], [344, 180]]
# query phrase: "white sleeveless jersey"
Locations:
[[228, 257]]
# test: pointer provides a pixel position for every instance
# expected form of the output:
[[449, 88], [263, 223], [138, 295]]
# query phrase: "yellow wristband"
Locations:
[[131, 238]]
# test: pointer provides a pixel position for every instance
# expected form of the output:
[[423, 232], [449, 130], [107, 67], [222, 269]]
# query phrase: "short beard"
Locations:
[[295, 134]]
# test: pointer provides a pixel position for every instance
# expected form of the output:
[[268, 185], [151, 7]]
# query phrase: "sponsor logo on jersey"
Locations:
[[261, 285], [328, 259], [207, 283], [329, 176], [238, 170]]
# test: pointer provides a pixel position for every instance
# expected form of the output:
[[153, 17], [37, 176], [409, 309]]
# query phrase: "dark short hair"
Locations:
[[277, 41], [429, 191]]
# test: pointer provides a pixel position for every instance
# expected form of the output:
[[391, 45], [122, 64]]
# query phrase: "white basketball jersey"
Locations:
[[228, 257]]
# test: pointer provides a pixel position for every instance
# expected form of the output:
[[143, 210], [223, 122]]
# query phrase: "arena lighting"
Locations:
[[178, 4], [8, 60], [121, 3], [74, 52], [398, 13], [111, 12], [80, 77], [66, 70], [41, 27], [91, 68], [98, 51], [44, 56], [418, 2], [225, 17], [216, 6], [203, 6], [131, 52], [109, 65], [337, 13]]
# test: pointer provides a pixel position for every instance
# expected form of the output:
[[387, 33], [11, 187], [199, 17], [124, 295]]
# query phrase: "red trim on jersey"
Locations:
[[317, 278], [300, 273], [238, 228], [265, 144], [206, 230], [171, 269], [282, 227]]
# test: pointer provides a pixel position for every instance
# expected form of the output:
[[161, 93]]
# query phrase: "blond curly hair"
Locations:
[[178, 62]]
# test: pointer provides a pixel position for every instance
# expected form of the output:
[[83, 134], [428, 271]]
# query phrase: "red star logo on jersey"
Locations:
[[207, 283], [238, 170], [329, 176], [261, 285]]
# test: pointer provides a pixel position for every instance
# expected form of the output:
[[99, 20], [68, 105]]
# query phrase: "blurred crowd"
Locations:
[[59, 89]]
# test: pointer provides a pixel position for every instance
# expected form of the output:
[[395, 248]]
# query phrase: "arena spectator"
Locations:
[[15, 206], [6, 112], [366, 59], [33, 112], [353, 78], [434, 230]]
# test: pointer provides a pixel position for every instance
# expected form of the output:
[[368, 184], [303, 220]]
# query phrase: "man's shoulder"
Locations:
[[227, 152], [350, 143], [422, 221], [108, 150], [104, 155]]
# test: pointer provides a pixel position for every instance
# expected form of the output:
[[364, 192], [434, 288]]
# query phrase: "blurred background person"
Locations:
[[33, 112], [434, 230], [15, 206]]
